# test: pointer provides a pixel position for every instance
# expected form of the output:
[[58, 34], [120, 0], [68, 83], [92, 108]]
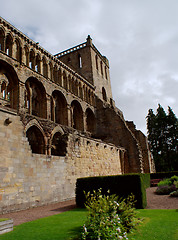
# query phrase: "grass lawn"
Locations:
[[58, 227], [157, 225]]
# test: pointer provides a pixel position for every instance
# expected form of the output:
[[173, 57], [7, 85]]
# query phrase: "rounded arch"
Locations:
[[26, 51], [8, 92], [77, 115], [55, 73], [2, 38], [38, 63], [36, 139], [35, 98], [104, 94], [59, 144], [9, 44], [90, 121], [18, 50], [45, 67], [32, 59], [59, 108]]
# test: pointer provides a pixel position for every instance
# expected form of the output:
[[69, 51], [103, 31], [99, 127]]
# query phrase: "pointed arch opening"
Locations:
[[9, 86], [45, 68], [2, 39], [77, 115], [32, 59], [104, 94], [18, 50], [59, 108], [38, 64], [36, 140], [8, 45], [35, 98], [90, 121], [59, 145]]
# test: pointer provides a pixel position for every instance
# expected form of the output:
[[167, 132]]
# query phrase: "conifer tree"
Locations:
[[163, 138]]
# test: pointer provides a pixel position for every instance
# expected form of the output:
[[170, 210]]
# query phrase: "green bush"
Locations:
[[108, 218], [165, 182], [121, 185], [174, 193], [165, 190]]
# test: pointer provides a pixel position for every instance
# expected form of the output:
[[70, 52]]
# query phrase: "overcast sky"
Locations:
[[139, 37]]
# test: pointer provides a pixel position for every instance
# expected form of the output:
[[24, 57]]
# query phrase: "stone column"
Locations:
[[48, 110], [69, 116], [21, 105], [84, 122]]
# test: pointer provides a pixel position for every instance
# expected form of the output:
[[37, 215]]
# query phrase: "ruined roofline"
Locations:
[[48, 54], [80, 46]]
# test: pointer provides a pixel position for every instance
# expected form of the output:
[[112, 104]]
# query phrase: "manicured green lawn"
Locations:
[[157, 225], [58, 227]]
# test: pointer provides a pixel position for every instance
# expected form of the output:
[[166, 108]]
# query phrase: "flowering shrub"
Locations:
[[107, 218]]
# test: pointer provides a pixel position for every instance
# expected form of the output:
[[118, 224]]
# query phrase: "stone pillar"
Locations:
[[21, 104], [84, 122], [69, 116], [48, 110]]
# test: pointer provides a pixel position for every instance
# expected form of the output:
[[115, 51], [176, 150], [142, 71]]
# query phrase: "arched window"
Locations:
[[104, 94], [55, 74], [36, 97], [36, 140], [38, 64], [101, 64], [26, 56], [59, 145], [9, 87], [45, 68], [2, 39], [9, 43], [77, 115], [18, 50], [90, 120], [32, 60], [59, 108], [96, 60], [106, 75]]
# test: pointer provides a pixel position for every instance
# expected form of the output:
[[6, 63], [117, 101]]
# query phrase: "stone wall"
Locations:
[[28, 180]]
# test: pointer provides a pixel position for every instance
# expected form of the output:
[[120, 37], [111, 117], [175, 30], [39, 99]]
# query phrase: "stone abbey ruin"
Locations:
[[58, 122]]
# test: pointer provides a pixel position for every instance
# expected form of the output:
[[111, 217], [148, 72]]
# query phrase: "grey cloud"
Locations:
[[140, 39]]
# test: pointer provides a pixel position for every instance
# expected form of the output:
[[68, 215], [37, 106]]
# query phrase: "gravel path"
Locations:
[[153, 202]]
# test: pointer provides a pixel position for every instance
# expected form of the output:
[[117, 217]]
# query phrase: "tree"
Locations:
[[163, 138]]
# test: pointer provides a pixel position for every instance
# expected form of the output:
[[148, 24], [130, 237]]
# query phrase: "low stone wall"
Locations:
[[30, 180], [6, 226]]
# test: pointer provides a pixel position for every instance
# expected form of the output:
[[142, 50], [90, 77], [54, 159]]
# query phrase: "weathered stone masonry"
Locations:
[[58, 122]]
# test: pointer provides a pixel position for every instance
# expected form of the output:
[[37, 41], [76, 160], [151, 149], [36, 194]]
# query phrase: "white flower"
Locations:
[[118, 229]]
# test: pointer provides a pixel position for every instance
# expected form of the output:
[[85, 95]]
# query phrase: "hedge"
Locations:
[[162, 175], [121, 185]]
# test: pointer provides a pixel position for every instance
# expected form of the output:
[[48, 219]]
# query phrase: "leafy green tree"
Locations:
[[163, 138]]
